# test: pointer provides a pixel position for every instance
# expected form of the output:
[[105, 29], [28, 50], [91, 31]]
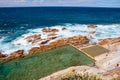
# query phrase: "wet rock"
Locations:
[[44, 42], [34, 38], [64, 28], [50, 30], [55, 30], [2, 55], [49, 35], [93, 32], [53, 38], [92, 26]]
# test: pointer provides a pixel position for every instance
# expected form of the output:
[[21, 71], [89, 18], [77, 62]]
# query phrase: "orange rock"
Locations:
[[53, 34], [33, 38], [34, 50], [55, 30], [49, 30], [92, 26], [104, 42], [78, 40], [58, 43], [115, 40], [17, 54], [109, 40]]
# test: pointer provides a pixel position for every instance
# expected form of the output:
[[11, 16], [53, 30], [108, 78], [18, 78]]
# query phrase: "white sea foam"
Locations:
[[102, 31]]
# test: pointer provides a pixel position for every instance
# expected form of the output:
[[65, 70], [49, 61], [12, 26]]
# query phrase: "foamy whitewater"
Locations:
[[20, 43]]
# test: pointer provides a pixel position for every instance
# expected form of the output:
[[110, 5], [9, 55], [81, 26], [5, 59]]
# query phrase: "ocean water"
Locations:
[[18, 22]]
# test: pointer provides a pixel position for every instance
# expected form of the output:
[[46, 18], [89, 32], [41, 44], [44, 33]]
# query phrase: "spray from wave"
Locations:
[[20, 43]]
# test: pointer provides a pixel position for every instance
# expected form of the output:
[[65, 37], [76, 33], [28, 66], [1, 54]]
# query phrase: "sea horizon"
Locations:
[[57, 6]]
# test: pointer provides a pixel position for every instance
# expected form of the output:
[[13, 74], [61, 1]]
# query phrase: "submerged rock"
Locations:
[[92, 26], [44, 42], [64, 28], [51, 38], [2, 55], [93, 32]]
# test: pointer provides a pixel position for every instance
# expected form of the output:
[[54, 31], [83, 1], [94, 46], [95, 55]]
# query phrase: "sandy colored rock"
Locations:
[[104, 42], [91, 26], [109, 41], [115, 40]]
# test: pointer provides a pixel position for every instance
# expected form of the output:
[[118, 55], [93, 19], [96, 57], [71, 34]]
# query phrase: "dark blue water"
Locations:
[[16, 21]]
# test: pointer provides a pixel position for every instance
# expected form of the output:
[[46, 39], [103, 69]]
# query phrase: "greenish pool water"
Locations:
[[43, 64]]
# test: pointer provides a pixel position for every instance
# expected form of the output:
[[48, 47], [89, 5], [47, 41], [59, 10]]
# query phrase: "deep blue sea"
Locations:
[[15, 22]]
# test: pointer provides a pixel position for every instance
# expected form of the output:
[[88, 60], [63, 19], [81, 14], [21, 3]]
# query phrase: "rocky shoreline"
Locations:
[[53, 41]]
